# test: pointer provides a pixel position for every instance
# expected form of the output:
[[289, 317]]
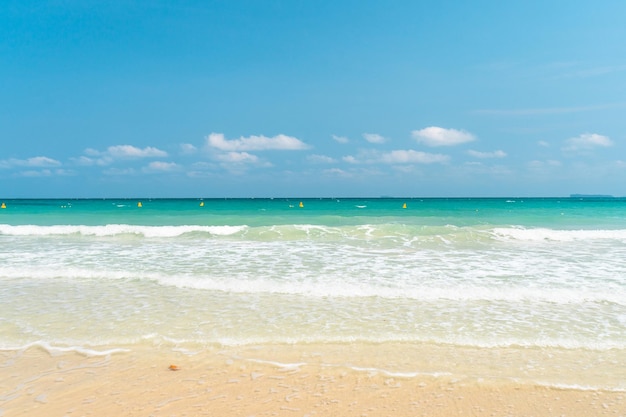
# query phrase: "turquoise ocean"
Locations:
[[515, 289]]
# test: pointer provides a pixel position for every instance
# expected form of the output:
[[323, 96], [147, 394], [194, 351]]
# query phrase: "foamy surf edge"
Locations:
[[117, 229], [58, 350]]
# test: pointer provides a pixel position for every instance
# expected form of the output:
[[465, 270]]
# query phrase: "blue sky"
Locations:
[[312, 98]]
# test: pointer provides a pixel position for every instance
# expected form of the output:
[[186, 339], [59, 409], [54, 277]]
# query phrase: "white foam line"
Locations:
[[355, 368], [279, 364], [543, 234], [574, 387], [117, 229], [52, 350], [393, 373]]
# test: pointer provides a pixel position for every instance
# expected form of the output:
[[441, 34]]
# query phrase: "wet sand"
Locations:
[[141, 383]]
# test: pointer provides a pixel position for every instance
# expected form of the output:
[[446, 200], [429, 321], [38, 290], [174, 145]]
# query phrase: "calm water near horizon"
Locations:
[[538, 283]]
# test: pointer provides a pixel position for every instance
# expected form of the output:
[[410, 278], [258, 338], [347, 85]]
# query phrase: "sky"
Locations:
[[312, 98]]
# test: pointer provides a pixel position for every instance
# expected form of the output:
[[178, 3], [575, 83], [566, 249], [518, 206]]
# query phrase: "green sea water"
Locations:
[[567, 213]]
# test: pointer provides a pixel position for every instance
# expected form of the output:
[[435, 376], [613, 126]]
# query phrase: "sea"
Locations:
[[528, 290]]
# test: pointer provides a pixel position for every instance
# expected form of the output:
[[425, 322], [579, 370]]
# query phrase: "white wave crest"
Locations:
[[329, 286], [543, 234], [334, 289], [117, 229], [56, 350]]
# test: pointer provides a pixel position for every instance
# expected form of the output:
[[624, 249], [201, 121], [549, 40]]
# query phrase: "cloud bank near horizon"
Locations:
[[439, 136], [255, 143], [279, 155]]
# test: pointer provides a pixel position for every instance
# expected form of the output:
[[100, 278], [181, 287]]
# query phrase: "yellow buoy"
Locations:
[[404, 205], [301, 205], [139, 204], [3, 205], [202, 204]]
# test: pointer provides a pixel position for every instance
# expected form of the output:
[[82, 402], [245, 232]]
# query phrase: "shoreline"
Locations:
[[34, 382]]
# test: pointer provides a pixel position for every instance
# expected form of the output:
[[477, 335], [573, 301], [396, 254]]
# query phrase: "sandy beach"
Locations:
[[155, 383]]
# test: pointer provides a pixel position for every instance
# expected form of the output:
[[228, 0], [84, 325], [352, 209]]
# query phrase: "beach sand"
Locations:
[[140, 382]]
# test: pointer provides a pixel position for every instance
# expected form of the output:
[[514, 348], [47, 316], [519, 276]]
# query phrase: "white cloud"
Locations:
[[42, 161], [543, 143], [255, 143], [95, 157], [537, 165], [340, 139], [374, 138], [187, 149], [484, 155], [35, 174], [412, 157], [238, 163], [101, 161], [129, 151], [238, 158], [438, 136], [321, 159], [162, 166], [35, 162], [336, 172], [396, 157], [83, 160], [587, 141]]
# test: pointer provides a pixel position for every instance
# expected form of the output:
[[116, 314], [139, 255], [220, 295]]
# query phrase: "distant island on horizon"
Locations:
[[591, 196]]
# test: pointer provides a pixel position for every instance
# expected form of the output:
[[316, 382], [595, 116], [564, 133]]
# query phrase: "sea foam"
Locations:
[[117, 229], [543, 234]]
